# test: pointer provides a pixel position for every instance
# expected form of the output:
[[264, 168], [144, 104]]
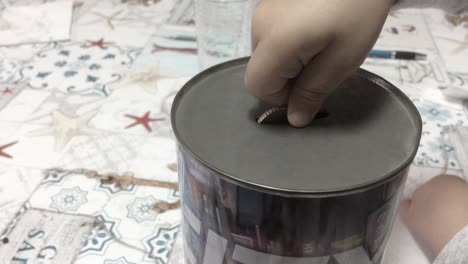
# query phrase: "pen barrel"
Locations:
[[405, 55], [383, 54]]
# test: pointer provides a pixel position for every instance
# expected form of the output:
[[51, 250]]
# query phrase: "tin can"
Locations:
[[260, 194]]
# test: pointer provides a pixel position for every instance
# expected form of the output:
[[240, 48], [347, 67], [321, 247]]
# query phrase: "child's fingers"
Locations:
[[324, 72], [318, 79], [265, 77], [261, 22], [275, 61]]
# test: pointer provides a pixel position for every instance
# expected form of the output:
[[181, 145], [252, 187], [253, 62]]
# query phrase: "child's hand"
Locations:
[[304, 48], [437, 211]]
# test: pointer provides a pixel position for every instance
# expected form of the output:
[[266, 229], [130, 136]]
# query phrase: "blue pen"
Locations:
[[399, 55]]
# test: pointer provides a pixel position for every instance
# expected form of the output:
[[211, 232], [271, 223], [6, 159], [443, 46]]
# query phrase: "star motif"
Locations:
[[2, 148], [160, 243], [64, 128], [57, 101], [141, 209], [98, 43], [7, 91], [102, 235], [146, 77], [144, 121], [108, 18]]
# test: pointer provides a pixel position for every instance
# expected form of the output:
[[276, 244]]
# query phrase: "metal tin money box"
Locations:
[[260, 194]]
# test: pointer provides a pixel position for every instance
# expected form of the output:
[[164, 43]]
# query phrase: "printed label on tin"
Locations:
[[378, 227], [226, 223], [216, 251]]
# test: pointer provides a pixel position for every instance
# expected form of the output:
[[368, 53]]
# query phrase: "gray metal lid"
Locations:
[[372, 133]]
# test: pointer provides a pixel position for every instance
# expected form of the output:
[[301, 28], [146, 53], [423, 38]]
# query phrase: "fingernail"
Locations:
[[299, 118]]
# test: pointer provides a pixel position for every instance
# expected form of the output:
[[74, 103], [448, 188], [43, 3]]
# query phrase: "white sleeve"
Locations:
[[452, 6], [456, 251]]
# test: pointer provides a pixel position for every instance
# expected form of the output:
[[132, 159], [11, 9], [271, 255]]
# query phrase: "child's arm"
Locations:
[[303, 49], [438, 215]]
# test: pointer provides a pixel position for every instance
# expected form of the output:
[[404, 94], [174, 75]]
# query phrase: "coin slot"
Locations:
[[278, 115], [321, 115]]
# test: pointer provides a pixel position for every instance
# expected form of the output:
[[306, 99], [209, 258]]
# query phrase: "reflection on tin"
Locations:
[[229, 223]]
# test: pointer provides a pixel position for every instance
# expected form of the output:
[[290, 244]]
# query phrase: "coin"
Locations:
[[274, 115], [279, 115]]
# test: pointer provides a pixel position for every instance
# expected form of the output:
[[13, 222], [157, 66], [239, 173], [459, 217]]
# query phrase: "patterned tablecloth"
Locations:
[[86, 145]]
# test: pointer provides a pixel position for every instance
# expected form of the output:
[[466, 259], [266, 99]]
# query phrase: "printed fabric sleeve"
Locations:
[[456, 251]]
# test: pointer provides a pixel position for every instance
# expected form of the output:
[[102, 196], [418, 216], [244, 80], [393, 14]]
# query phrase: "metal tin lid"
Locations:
[[372, 133]]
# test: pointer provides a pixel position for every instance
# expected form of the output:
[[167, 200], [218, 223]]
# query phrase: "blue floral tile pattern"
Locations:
[[161, 242], [106, 68], [141, 209], [101, 236], [434, 150], [69, 200], [114, 188], [54, 176], [77, 68]]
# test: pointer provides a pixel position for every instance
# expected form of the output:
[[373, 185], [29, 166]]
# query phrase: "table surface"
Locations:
[[101, 101]]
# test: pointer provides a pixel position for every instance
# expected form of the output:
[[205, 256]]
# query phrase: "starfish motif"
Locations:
[[98, 43], [146, 77], [65, 128], [144, 121], [68, 105], [107, 18], [157, 48], [6, 91], [2, 148]]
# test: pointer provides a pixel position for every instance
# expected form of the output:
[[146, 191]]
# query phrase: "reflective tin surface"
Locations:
[[227, 223], [372, 132], [256, 193]]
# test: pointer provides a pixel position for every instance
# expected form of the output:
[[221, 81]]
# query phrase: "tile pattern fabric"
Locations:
[[101, 101]]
